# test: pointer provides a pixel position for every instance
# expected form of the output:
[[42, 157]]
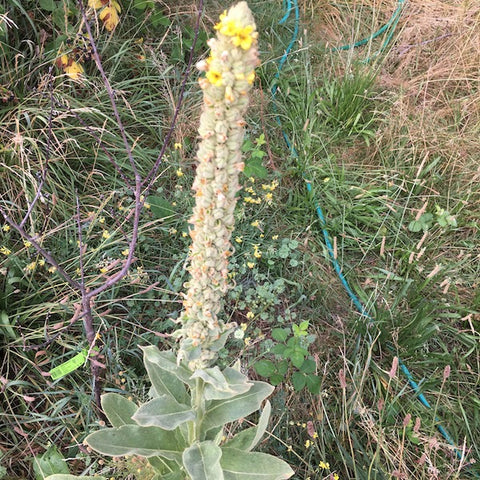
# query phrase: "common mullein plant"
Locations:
[[181, 429]]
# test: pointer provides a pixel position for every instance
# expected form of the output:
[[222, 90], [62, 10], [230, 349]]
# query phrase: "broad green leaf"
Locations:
[[221, 385], [166, 377], [202, 461], [254, 168], [160, 207], [49, 463], [164, 412], [48, 5], [309, 366], [248, 439], [313, 384], [280, 334], [118, 409], [6, 326], [298, 381], [297, 357], [276, 379], [264, 368], [240, 465], [220, 412], [61, 476], [136, 440]]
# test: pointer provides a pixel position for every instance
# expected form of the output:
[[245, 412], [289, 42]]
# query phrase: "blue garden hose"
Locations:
[[289, 6]]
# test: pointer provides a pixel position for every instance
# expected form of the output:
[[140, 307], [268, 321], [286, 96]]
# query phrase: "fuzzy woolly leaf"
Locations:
[[240, 465], [249, 438], [118, 409], [220, 412], [136, 440], [166, 376], [202, 461], [221, 385], [164, 412]]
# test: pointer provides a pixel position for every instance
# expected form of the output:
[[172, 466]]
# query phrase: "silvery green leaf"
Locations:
[[248, 439], [164, 412], [202, 461], [166, 376], [220, 412], [220, 385], [136, 440], [240, 465], [118, 409]]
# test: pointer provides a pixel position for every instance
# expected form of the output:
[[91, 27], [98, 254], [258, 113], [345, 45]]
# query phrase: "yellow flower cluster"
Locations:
[[242, 36]]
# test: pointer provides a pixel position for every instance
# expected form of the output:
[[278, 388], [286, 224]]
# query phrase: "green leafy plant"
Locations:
[[292, 355], [180, 430]]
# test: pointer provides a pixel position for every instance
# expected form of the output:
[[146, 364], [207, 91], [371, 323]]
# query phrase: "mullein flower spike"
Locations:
[[229, 75]]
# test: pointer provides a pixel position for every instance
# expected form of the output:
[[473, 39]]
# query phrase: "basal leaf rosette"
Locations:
[[229, 75]]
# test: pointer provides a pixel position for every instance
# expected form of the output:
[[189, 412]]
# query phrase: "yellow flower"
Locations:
[[125, 252], [106, 235], [52, 269], [308, 443], [6, 228], [250, 315], [179, 172], [335, 476], [251, 77], [243, 38], [109, 16], [27, 243], [31, 267], [255, 223], [229, 28], [215, 78], [250, 264], [324, 465], [177, 146], [5, 250], [239, 239]]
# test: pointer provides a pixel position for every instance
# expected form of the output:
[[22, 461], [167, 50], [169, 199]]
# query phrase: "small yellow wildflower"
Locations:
[[104, 270], [335, 476], [308, 443], [125, 252], [289, 448], [179, 172], [250, 264], [172, 231], [6, 228], [255, 223], [184, 234], [247, 341], [256, 251], [52, 269], [243, 326], [324, 465], [243, 37], [251, 77], [177, 146], [215, 78], [5, 250], [101, 220], [31, 267], [106, 235], [239, 239], [275, 237], [250, 315], [269, 197], [41, 262], [27, 243], [146, 205]]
